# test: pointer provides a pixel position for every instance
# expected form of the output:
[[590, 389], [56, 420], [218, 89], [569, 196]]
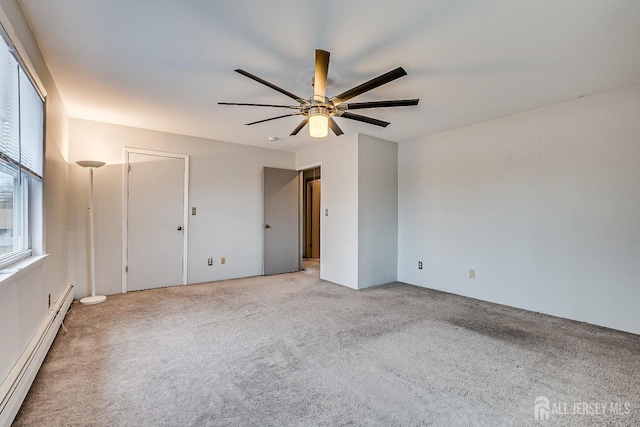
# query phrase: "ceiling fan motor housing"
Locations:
[[319, 110]]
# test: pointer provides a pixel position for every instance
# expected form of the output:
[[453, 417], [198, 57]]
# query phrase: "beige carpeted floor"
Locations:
[[311, 266], [292, 350]]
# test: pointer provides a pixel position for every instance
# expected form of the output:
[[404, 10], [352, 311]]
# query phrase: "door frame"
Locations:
[[301, 169], [312, 208], [125, 208]]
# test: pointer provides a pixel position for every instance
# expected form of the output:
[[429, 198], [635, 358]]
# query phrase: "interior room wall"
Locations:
[[377, 211], [358, 242], [543, 205], [225, 187], [56, 154], [339, 196], [25, 303]]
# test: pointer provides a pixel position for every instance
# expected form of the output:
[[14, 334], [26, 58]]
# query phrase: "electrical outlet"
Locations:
[[472, 274], [210, 262], [223, 260], [419, 265]]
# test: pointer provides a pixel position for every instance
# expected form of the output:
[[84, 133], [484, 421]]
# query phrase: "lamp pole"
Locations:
[[93, 299]]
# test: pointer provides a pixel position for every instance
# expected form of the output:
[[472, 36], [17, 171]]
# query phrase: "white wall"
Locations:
[[56, 173], [377, 211], [358, 240], [24, 303], [339, 194], [225, 186], [23, 308], [544, 205]]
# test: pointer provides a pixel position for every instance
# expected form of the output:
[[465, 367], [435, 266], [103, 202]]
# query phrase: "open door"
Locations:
[[281, 221]]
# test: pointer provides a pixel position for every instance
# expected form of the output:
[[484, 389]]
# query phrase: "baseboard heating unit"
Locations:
[[15, 387]]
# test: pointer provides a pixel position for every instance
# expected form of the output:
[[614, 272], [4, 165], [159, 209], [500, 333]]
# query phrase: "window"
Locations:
[[21, 157]]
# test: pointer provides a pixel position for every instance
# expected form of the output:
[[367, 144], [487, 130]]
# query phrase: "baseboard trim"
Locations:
[[16, 386]]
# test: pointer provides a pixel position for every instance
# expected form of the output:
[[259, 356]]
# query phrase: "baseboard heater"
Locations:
[[15, 387]]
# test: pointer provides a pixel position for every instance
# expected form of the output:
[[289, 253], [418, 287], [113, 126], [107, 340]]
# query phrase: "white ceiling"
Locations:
[[164, 65]]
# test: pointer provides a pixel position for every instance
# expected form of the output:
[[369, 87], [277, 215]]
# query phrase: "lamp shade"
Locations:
[[90, 164], [319, 125]]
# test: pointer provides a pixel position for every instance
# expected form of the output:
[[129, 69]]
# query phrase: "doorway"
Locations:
[[311, 196], [156, 222]]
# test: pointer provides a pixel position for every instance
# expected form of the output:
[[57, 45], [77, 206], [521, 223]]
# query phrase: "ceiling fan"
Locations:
[[319, 110]]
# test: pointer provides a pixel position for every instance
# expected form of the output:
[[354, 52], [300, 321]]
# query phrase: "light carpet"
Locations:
[[292, 350]]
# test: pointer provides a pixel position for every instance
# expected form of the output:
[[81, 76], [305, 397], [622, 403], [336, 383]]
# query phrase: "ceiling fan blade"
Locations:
[[273, 118], [364, 119], [334, 127], [260, 105], [367, 86], [381, 104], [320, 77], [299, 127], [272, 86]]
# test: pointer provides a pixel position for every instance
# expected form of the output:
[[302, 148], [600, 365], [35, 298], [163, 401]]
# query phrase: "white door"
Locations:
[[155, 221]]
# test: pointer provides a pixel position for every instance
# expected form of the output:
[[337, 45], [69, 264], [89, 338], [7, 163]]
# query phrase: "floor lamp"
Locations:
[[93, 299]]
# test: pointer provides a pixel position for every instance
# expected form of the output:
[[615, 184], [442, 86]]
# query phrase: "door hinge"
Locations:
[[126, 269], [129, 167]]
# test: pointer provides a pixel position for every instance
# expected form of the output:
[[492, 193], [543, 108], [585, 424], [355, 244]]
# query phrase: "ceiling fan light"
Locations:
[[318, 125]]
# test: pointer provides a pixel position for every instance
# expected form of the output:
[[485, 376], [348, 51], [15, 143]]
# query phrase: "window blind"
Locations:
[[22, 114]]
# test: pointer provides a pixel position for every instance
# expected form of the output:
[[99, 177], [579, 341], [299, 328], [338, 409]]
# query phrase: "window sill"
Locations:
[[14, 272]]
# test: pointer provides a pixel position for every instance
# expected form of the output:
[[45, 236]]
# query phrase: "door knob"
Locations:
[[267, 226], [179, 227]]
